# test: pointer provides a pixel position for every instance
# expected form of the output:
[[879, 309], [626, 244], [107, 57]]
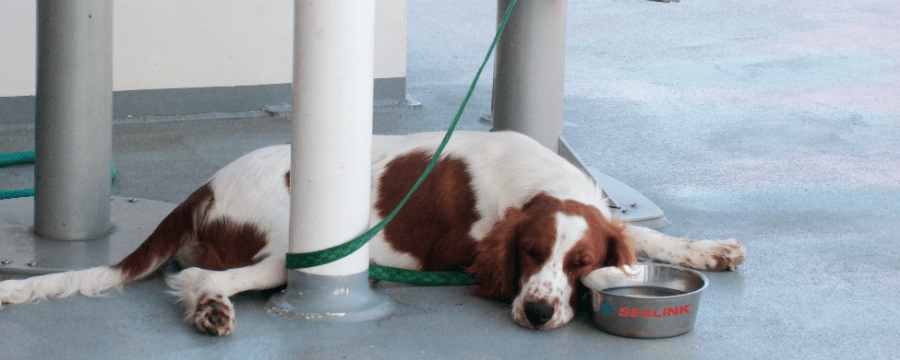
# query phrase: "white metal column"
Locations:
[[332, 129], [331, 153]]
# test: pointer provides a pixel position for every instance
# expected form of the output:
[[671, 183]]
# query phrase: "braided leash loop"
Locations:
[[316, 258], [423, 278]]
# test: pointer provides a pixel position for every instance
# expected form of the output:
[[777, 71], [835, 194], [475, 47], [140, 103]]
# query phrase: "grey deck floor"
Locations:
[[774, 122]]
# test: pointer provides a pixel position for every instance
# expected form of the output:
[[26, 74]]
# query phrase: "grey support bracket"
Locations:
[[628, 204]]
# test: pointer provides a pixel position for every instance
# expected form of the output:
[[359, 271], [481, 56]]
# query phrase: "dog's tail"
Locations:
[[89, 282], [171, 234]]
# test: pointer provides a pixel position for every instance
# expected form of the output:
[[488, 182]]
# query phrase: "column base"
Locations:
[[347, 298], [24, 252]]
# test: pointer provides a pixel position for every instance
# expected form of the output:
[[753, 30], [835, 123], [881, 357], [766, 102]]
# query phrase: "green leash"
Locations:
[[378, 272], [424, 278], [20, 158]]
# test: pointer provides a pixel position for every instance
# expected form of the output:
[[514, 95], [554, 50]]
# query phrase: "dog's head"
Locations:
[[536, 255]]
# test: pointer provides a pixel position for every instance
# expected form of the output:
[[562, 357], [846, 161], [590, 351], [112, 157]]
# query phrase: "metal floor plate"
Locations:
[[23, 252]]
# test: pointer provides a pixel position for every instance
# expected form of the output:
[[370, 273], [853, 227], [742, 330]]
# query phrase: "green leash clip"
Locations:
[[438, 278]]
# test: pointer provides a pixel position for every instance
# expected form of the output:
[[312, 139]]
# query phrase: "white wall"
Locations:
[[164, 44], [18, 30]]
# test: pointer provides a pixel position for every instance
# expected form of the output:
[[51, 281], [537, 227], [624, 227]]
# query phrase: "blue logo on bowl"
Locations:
[[606, 309]]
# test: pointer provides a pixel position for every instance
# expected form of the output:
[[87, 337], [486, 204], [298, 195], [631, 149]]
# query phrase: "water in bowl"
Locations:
[[644, 291]]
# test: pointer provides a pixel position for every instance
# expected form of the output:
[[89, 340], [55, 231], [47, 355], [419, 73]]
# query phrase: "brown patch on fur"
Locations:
[[434, 225], [721, 263], [604, 242], [168, 237], [497, 258], [224, 244], [536, 239]]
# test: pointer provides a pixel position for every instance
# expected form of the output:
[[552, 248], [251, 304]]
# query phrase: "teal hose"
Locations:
[[17, 158], [24, 158]]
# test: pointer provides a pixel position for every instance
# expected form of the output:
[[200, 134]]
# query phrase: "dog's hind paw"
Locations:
[[207, 306], [214, 316]]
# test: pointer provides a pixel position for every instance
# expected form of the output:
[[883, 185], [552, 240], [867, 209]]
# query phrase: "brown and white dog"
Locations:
[[500, 206]]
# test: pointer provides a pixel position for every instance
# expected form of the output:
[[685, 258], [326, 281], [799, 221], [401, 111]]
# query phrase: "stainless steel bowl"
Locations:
[[646, 301]]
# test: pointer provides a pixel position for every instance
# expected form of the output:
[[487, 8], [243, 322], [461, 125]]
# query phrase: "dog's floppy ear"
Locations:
[[496, 261], [619, 250]]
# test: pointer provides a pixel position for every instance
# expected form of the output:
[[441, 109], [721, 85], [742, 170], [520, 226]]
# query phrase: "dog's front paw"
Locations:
[[715, 255], [214, 316]]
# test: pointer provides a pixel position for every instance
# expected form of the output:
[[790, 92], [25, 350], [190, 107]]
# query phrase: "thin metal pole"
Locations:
[[73, 130], [529, 70]]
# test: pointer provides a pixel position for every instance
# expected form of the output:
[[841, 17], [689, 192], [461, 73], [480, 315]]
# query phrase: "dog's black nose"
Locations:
[[538, 312]]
